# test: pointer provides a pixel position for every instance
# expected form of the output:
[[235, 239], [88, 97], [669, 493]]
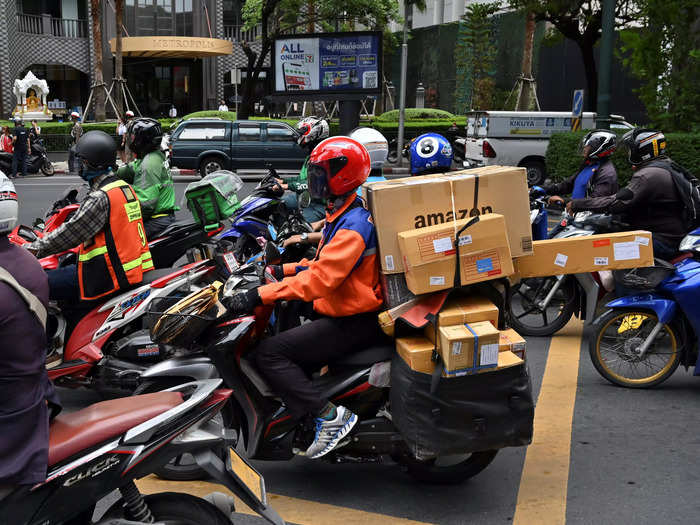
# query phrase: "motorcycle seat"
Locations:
[[77, 431], [366, 357], [156, 274], [176, 226]]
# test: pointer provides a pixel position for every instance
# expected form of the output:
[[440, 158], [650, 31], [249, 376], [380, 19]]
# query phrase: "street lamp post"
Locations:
[[402, 92], [606, 51]]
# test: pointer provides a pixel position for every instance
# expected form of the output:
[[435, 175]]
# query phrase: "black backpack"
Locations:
[[688, 187]]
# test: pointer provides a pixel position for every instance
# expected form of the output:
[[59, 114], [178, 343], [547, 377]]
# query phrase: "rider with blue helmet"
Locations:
[[430, 153]]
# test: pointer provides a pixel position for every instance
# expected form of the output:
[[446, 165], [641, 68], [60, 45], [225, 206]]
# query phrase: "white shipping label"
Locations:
[[437, 280], [442, 245], [600, 261], [457, 348], [488, 355], [465, 239], [560, 259], [389, 262], [626, 251], [643, 241]]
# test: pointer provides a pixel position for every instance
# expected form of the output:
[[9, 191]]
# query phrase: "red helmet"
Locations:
[[337, 166]]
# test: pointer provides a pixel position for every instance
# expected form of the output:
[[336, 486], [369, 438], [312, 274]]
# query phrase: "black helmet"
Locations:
[[97, 151], [644, 145], [144, 135], [602, 142]]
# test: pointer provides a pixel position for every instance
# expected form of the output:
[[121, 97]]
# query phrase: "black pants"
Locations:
[[19, 162], [287, 359], [155, 226]]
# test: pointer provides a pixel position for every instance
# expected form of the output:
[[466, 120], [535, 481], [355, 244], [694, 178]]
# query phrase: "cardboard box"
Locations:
[[511, 341], [457, 346], [468, 309], [416, 202], [429, 254], [417, 353], [610, 251]]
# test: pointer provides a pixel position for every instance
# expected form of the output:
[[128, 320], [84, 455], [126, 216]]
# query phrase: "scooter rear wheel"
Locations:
[[175, 507], [448, 470]]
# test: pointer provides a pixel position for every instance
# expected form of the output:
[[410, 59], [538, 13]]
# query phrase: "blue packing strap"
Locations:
[[476, 343]]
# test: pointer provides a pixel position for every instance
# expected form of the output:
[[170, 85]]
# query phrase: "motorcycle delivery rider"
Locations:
[[149, 175], [27, 393], [108, 228], [650, 200], [342, 280], [597, 176], [312, 130]]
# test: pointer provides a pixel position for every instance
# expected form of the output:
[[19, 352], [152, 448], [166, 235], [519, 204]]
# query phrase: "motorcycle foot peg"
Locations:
[[299, 452]]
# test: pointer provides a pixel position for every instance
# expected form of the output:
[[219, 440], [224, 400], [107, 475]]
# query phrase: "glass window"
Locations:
[[249, 132], [277, 133], [203, 132]]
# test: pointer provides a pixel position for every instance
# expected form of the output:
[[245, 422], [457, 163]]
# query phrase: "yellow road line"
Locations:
[[293, 510], [543, 483]]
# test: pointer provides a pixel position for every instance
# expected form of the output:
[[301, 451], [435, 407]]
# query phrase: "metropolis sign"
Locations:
[[333, 63], [173, 46]]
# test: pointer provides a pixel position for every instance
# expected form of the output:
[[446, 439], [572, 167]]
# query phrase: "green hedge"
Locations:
[[563, 158], [416, 113], [225, 115]]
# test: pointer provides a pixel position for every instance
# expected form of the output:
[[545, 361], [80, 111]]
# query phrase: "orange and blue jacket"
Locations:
[[343, 277]]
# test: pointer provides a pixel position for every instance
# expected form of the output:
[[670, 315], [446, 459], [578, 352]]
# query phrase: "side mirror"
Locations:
[[304, 199], [271, 254]]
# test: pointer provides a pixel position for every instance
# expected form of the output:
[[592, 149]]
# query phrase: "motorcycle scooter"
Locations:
[[642, 337], [108, 445], [37, 160], [359, 381]]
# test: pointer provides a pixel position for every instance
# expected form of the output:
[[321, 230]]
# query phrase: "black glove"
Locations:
[[243, 303], [276, 270]]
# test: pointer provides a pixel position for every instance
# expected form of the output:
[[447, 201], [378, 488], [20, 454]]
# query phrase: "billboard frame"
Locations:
[[320, 94]]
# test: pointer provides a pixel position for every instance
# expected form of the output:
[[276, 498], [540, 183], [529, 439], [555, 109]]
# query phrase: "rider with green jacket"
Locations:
[[149, 175]]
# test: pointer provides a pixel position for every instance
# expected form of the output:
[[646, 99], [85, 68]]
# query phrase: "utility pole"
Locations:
[[402, 92], [604, 70]]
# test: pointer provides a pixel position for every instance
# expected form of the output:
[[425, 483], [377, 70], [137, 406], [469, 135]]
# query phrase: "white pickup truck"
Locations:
[[520, 138]]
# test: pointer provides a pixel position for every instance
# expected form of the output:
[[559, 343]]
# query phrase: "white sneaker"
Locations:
[[330, 432]]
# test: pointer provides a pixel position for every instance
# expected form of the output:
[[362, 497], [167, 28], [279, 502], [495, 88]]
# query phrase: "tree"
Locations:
[[278, 17], [580, 21], [475, 56], [99, 91], [118, 69], [665, 56], [526, 89]]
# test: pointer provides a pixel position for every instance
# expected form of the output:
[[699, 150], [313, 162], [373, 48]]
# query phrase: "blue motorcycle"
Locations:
[[643, 337], [258, 212]]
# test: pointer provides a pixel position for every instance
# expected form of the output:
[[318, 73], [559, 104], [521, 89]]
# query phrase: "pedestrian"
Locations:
[[121, 144], [75, 134], [173, 111], [223, 106], [34, 131], [6, 140], [128, 154], [20, 143]]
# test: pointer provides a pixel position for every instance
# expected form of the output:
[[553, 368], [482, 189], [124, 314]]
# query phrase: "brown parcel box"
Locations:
[[512, 341], [415, 202], [417, 353], [429, 254], [609, 251], [468, 309], [456, 346]]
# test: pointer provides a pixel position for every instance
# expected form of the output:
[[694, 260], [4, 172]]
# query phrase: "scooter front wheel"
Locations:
[[47, 168], [615, 349], [528, 313]]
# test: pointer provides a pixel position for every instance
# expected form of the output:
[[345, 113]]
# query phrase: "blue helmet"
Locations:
[[430, 153]]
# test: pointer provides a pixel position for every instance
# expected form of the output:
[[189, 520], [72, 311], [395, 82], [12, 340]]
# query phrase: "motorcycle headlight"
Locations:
[[690, 243]]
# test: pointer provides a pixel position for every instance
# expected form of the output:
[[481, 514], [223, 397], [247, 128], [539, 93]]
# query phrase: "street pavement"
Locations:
[[600, 455]]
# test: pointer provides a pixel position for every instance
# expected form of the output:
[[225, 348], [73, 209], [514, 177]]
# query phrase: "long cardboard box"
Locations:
[[429, 254], [416, 202], [610, 251], [417, 353]]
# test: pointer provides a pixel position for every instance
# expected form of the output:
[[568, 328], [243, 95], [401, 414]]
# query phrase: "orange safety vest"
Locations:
[[117, 257]]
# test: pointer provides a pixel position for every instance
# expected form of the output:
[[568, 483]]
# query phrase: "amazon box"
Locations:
[[468, 309], [429, 254], [417, 353], [511, 341], [401, 205], [609, 251], [466, 347]]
